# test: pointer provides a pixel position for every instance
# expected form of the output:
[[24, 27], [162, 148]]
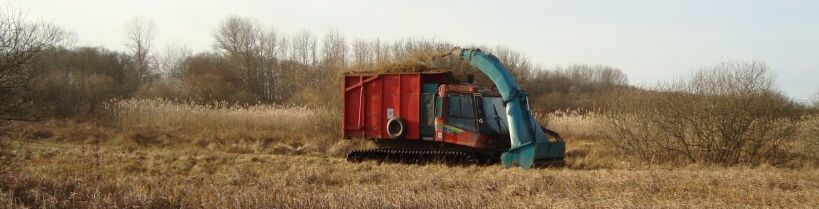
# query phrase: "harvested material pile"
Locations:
[[402, 67], [414, 63]]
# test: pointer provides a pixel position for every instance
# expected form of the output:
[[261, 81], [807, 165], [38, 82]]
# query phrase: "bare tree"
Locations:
[[274, 46], [274, 49], [171, 62], [516, 62], [141, 34], [304, 48], [381, 51], [21, 42], [239, 36], [362, 53], [728, 114], [75, 82], [242, 41], [334, 49]]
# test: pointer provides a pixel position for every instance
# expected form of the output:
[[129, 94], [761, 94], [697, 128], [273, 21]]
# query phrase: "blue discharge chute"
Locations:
[[529, 144]]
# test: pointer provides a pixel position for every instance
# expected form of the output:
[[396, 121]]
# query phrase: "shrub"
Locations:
[[810, 137], [728, 114]]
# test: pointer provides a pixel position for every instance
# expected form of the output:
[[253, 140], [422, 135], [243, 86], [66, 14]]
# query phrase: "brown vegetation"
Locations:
[[72, 177], [254, 124], [21, 42], [808, 142], [729, 114], [151, 161]]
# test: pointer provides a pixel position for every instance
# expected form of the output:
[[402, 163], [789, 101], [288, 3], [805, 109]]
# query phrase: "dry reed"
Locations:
[[51, 173], [56, 176], [216, 116]]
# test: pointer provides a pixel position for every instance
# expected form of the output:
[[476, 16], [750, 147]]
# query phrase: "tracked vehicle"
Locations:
[[430, 116]]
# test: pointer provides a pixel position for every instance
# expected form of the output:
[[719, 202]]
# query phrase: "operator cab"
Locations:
[[478, 112], [467, 115]]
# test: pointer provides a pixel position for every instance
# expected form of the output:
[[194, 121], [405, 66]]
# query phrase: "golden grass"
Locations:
[[416, 62], [808, 142], [584, 146], [241, 128], [165, 155], [263, 129], [219, 116], [402, 66], [574, 124], [59, 176]]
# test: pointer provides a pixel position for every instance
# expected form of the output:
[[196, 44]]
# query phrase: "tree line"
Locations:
[[730, 113], [250, 63]]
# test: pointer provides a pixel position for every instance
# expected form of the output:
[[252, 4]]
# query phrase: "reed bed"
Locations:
[[576, 124], [110, 177], [234, 156], [213, 116]]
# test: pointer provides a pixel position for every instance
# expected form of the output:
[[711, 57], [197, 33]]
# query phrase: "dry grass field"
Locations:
[[163, 154], [90, 122]]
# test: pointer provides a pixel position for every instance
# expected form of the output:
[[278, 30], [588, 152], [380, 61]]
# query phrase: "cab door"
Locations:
[[458, 122], [461, 112]]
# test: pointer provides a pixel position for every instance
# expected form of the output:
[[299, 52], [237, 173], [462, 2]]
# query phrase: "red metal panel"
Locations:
[[391, 91], [410, 104], [373, 103], [353, 121], [368, 97]]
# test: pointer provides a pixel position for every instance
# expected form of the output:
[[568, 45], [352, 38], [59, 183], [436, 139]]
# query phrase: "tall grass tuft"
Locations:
[[213, 116], [575, 124], [251, 126]]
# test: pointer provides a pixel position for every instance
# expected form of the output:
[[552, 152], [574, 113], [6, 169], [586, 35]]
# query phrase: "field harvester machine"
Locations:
[[430, 116]]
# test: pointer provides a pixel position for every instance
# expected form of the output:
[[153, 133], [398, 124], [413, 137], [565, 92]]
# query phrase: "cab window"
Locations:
[[494, 114], [461, 112]]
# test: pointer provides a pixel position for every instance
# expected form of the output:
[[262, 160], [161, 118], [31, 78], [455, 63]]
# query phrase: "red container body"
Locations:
[[371, 99]]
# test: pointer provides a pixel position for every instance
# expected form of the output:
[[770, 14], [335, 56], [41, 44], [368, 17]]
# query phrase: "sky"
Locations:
[[649, 40]]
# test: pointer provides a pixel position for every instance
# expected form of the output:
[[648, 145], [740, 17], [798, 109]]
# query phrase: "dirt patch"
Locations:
[[145, 137], [42, 134]]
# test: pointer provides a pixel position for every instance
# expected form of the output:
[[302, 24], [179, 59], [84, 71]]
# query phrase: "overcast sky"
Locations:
[[649, 40]]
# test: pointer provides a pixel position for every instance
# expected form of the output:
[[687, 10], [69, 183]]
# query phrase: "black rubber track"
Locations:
[[433, 156], [416, 156]]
